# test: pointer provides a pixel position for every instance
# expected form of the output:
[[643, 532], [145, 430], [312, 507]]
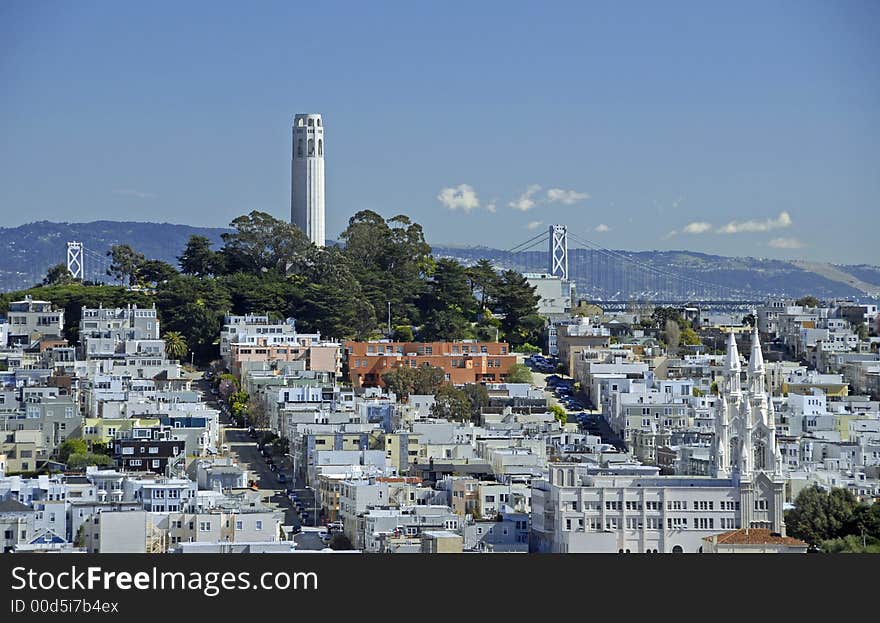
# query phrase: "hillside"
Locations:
[[26, 252]]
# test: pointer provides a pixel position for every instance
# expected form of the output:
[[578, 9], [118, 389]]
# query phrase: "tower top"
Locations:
[[756, 359], [307, 119], [731, 360]]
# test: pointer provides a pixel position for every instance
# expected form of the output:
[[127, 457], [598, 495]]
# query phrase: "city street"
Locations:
[[248, 455]]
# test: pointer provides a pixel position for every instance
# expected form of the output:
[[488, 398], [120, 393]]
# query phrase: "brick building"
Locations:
[[462, 362]]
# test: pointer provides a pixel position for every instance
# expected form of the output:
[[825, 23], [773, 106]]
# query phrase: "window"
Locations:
[[204, 526], [311, 146], [258, 525], [239, 524]]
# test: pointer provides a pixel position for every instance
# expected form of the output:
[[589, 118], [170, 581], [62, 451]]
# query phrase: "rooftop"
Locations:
[[755, 536]]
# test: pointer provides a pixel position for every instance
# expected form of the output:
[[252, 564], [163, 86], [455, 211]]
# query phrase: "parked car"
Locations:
[[282, 477]]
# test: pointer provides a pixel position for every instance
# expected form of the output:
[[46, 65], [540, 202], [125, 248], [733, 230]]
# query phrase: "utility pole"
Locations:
[[389, 319]]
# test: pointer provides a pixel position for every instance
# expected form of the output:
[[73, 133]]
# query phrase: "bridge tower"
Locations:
[[559, 251], [75, 259]]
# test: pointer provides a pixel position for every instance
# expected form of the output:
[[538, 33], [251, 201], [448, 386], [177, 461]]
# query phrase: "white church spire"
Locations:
[[756, 359], [732, 366]]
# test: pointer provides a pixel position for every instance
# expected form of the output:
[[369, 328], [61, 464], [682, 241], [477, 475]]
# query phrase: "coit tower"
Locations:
[[307, 176]]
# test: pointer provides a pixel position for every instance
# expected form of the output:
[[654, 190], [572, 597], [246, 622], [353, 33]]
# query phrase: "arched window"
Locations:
[[311, 123], [299, 122], [299, 148], [319, 123], [320, 147], [311, 147], [760, 452], [677, 550]]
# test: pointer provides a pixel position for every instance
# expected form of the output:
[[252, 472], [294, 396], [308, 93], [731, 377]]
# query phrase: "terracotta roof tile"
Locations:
[[755, 536]]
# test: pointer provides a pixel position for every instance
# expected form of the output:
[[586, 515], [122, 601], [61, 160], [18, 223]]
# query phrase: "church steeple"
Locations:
[[756, 366], [732, 366]]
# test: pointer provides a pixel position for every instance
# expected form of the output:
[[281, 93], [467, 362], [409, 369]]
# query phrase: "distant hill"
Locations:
[[686, 275], [26, 252]]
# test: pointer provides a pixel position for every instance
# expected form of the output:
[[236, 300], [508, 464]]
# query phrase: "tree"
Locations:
[[262, 243], [198, 259], [559, 414], [483, 281], [820, 516], [519, 373], [518, 302], [86, 459], [175, 345], [102, 447], [690, 337], [807, 301], [866, 520], [403, 333], [400, 381], [390, 260], [862, 331], [340, 542], [124, 263], [749, 320], [405, 381], [448, 304], [452, 404], [155, 272], [428, 379], [478, 396], [672, 335], [58, 275], [661, 315], [71, 446], [333, 301], [257, 413]]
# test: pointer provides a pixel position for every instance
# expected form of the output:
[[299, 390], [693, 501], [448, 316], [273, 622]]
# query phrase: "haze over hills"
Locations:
[[27, 251]]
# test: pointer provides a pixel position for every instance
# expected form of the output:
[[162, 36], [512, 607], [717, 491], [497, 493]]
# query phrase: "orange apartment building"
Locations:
[[462, 362]]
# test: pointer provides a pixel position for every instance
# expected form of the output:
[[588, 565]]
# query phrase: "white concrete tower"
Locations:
[[307, 177]]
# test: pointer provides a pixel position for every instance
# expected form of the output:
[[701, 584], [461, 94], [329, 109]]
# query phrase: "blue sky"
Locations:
[[746, 128]]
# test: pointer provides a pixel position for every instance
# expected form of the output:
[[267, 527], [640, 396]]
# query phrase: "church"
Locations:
[[584, 507]]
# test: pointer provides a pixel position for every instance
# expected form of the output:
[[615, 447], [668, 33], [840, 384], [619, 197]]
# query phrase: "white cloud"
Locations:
[[525, 202], [670, 234], [601, 228], [534, 224], [490, 207], [738, 227], [566, 197], [786, 243], [697, 227], [130, 192], [461, 197]]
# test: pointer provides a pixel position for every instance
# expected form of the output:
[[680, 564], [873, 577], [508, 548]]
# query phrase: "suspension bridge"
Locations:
[[87, 264], [619, 278]]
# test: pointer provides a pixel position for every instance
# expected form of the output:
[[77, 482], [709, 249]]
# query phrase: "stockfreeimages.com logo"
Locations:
[[209, 583]]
